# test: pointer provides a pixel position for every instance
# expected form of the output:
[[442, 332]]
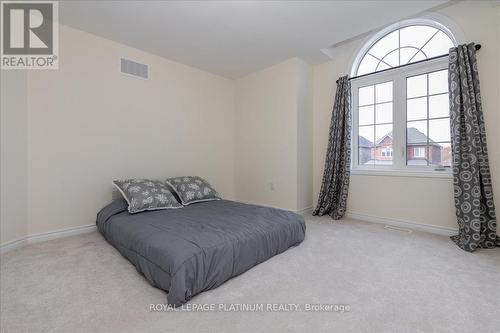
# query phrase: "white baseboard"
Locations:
[[12, 245], [435, 229], [305, 211], [30, 239], [17, 243], [44, 236]]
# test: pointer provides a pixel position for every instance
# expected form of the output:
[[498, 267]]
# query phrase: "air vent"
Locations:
[[134, 68]]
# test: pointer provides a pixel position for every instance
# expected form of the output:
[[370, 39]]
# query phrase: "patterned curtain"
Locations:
[[473, 190], [333, 195]]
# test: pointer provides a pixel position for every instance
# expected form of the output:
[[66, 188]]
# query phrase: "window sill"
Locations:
[[403, 173]]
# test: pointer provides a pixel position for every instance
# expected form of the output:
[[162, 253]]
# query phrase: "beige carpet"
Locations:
[[392, 281]]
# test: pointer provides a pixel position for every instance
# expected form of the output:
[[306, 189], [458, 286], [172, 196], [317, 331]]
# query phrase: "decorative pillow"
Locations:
[[192, 189], [146, 194]]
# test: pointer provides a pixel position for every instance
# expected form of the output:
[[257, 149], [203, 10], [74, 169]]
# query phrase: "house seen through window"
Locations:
[[400, 101]]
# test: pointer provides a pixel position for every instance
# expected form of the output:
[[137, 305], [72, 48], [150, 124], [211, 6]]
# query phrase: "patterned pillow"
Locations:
[[193, 189], [146, 194]]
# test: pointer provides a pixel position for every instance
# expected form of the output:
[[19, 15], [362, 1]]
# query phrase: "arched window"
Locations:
[[404, 46], [400, 100]]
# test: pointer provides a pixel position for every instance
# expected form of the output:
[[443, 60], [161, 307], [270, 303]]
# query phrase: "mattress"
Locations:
[[196, 248]]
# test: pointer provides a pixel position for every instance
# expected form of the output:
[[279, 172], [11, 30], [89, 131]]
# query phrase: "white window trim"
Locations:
[[399, 167], [386, 152], [419, 149], [433, 20]]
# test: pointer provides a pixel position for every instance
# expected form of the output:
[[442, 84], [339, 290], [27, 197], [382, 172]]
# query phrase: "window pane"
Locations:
[[385, 45], [419, 151], [420, 56], [427, 131], [383, 144], [365, 155], [366, 116], [406, 53], [440, 154], [366, 95], [445, 152], [366, 135], [438, 45], [416, 86], [410, 53], [439, 130], [383, 92], [384, 113], [365, 145], [416, 35], [417, 155], [438, 82], [367, 65], [405, 45], [439, 106], [416, 132], [382, 132], [416, 109], [427, 102], [392, 58], [383, 154], [382, 66]]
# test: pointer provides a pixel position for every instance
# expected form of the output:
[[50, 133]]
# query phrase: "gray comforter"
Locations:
[[189, 250]]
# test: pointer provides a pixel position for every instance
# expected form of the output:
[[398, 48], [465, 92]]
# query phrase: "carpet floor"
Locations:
[[388, 281]]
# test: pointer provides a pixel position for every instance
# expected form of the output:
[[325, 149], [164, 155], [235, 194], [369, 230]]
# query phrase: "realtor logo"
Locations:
[[29, 38]]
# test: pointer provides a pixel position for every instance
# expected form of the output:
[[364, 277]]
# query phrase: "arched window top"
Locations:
[[405, 45]]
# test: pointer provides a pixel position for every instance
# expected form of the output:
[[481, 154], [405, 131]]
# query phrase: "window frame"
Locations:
[[433, 20], [398, 76], [419, 149], [387, 152]]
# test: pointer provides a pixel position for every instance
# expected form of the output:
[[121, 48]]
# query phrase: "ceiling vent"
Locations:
[[134, 68]]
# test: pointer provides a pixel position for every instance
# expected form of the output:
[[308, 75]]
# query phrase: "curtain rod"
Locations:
[[477, 46]]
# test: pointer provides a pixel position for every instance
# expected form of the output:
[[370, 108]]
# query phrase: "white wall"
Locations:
[[273, 149], [421, 200], [304, 137], [65, 134], [266, 130], [88, 124], [13, 156]]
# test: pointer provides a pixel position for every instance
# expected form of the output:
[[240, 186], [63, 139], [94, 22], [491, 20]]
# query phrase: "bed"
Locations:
[[196, 248]]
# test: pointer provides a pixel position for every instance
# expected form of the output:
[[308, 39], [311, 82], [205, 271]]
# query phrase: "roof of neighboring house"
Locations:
[[364, 142], [388, 135], [413, 136]]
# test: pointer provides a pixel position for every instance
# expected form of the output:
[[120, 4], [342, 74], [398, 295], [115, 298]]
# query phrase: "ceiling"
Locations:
[[235, 38]]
